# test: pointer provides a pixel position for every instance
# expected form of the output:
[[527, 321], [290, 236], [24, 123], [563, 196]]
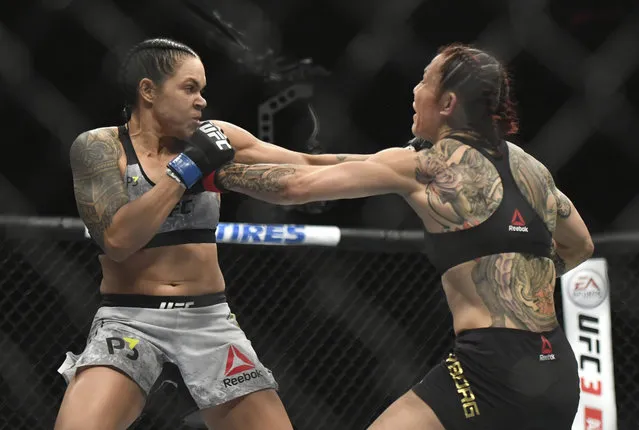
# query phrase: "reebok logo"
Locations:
[[236, 364], [546, 350], [517, 223]]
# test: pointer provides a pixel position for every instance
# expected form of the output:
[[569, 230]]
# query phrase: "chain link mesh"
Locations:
[[344, 332]]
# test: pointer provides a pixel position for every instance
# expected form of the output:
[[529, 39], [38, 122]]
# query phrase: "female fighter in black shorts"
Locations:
[[498, 231]]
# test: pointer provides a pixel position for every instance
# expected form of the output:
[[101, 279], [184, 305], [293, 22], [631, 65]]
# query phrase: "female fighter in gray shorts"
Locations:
[[145, 193]]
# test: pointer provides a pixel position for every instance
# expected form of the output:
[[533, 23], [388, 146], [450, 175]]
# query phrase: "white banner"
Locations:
[[273, 234], [277, 234], [586, 304]]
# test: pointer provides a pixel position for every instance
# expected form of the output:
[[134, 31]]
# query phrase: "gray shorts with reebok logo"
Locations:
[[216, 360]]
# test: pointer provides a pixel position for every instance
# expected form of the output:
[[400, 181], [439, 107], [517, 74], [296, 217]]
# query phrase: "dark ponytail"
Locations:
[[483, 89]]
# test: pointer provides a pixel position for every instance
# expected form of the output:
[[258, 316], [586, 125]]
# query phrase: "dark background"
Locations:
[[345, 331], [574, 65]]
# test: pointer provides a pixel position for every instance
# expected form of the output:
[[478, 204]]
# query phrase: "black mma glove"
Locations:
[[417, 143], [206, 150]]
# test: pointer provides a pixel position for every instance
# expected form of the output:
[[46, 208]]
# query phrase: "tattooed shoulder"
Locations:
[[93, 148], [97, 181], [564, 207], [431, 161], [535, 183], [448, 146]]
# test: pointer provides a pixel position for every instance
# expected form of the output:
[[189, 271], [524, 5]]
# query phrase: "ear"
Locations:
[[447, 104], [146, 89]]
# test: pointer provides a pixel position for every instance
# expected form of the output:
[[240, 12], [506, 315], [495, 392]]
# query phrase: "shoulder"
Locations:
[[518, 155], [523, 164], [449, 144], [96, 136], [95, 145], [515, 148], [448, 149]]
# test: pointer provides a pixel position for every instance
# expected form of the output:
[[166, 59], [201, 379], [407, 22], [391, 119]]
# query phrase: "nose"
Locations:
[[200, 103]]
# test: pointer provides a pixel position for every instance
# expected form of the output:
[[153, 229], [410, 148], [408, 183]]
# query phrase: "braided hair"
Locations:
[[483, 86], [156, 59]]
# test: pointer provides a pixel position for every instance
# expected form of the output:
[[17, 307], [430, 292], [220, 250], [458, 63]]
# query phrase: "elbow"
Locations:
[[295, 192], [116, 249], [577, 252], [308, 160], [583, 251], [588, 248]]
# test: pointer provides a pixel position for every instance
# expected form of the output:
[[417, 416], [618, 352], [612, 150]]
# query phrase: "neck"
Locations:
[[148, 134], [443, 131]]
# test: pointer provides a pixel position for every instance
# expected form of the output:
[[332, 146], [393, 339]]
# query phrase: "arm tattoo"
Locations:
[[560, 263], [343, 157], [97, 181], [257, 177], [563, 205], [429, 165]]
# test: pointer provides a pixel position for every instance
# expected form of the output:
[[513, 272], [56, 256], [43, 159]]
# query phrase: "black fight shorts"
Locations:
[[505, 379]]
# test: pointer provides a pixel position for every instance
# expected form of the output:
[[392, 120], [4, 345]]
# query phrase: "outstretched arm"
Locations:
[[251, 150], [294, 184]]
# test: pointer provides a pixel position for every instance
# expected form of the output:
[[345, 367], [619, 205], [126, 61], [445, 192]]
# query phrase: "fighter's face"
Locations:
[[178, 103], [427, 102]]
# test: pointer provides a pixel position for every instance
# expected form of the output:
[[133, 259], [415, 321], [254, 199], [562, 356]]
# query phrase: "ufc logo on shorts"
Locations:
[[172, 305], [216, 134]]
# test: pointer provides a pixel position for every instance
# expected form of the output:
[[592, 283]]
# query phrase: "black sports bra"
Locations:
[[193, 220], [514, 227]]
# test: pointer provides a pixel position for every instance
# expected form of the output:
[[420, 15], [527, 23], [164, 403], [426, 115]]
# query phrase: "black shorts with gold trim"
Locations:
[[499, 378]]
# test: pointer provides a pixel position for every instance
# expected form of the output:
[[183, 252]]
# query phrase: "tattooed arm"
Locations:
[[384, 173], [118, 226], [572, 244], [251, 150]]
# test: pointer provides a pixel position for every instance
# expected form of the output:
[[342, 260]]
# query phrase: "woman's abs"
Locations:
[[503, 290], [190, 269]]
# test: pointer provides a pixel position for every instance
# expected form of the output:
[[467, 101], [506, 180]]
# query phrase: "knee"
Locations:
[[83, 422], [88, 418]]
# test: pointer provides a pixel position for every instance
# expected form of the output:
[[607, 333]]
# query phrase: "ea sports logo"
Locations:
[[587, 289]]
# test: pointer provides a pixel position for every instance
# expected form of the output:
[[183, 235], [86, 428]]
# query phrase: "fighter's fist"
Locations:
[[205, 151]]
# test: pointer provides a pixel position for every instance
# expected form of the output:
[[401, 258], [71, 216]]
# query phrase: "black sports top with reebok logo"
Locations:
[[193, 220], [514, 227]]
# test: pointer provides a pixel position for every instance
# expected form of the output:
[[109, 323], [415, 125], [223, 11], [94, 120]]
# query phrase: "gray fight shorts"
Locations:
[[198, 334]]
